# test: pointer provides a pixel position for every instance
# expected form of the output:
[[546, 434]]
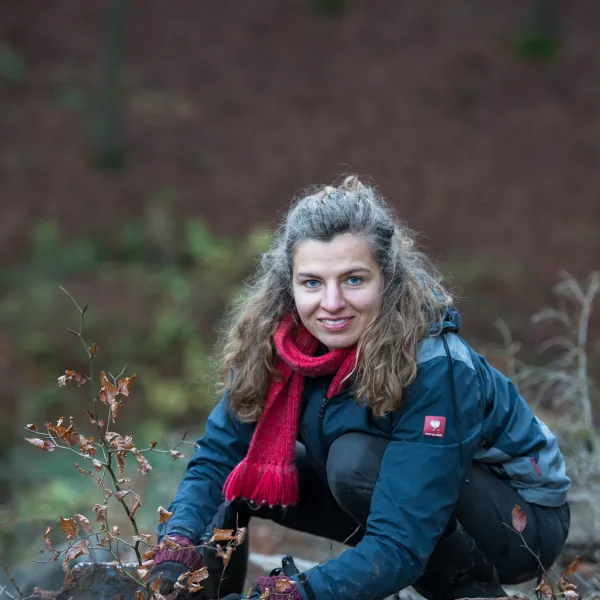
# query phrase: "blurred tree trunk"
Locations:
[[109, 149]]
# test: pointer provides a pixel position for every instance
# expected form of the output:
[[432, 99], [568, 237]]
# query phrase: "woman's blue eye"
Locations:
[[354, 280], [311, 283]]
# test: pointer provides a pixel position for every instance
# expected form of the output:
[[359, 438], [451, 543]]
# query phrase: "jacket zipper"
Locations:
[[321, 415]]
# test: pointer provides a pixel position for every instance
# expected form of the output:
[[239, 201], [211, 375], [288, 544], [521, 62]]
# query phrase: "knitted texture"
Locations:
[[280, 587], [187, 555], [267, 475]]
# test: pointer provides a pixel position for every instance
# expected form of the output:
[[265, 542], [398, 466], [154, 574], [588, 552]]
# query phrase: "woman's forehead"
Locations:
[[343, 252]]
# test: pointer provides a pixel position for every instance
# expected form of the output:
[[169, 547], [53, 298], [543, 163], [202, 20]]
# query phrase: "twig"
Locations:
[[3, 591], [11, 579]]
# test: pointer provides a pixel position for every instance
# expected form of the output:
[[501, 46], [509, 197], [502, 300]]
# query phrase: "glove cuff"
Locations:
[[187, 554], [280, 587]]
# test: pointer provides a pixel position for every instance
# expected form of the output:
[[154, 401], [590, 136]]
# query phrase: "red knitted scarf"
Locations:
[[267, 475]]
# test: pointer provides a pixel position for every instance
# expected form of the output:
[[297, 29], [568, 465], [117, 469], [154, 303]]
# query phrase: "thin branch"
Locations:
[[11, 579], [144, 586], [3, 591]]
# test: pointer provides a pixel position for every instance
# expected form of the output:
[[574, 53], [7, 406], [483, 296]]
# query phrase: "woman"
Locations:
[[354, 411]]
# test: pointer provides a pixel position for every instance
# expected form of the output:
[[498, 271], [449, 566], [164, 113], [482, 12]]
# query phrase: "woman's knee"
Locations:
[[353, 466]]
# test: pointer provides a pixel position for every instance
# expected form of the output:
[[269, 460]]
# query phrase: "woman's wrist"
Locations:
[[186, 554]]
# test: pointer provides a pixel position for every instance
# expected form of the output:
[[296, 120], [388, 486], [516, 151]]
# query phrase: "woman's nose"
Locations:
[[333, 299]]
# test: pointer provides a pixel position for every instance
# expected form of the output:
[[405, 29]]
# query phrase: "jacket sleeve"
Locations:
[[417, 489], [224, 444]]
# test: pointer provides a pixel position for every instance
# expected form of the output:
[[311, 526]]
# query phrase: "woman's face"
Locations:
[[337, 288]]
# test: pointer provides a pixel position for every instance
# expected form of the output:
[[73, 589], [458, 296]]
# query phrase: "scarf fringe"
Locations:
[[263, 483]]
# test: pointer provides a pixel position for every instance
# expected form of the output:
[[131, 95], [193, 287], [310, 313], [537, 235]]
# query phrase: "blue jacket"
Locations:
[[458, 410]]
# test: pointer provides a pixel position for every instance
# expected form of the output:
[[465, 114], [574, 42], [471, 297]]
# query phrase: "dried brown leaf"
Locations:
[[107, 494], [225, 553], [545, 588], [155, 587], [108, 392], [196, 578], [73, 552], [114, 410], [169, 543], [125, 384], [153, 444], [67, 435], [572, 566], [564, 585], [93, 349], [106, 541], [162, 514], [48, 541], [97, 464], [69, 528], [150, 554], [222, 535], [139, 595], [181, 583], [31, 427], [77, 378], [41, 444], [175, 454], [144, 465], [143, 573], [121, 494], [149, 564], [120, 457], [519, 520], [118, 442], [115, 531], [240, 536], [66, 568], [86, 446], [100, 512], [135, 504], [284, 586], [143, 537], [84, 522]]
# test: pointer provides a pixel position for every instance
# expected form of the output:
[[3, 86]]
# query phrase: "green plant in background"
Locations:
[[540, 39], [71, 98], [328, 7], [12, 66]]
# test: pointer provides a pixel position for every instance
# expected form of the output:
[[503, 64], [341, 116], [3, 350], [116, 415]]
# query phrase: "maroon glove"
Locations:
[[280, 587], [187, 554]]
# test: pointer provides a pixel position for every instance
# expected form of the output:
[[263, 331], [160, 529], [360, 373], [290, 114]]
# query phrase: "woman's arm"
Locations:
[[199, 495]]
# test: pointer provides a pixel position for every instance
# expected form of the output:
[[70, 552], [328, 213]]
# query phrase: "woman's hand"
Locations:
[[279, 587], [168, 571], [170, 564], [279, 583]]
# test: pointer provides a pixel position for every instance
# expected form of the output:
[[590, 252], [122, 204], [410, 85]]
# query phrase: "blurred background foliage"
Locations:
[[175, 299], [146, 152]]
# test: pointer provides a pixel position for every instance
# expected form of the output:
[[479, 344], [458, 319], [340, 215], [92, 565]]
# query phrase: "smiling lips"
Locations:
[[335, 324]]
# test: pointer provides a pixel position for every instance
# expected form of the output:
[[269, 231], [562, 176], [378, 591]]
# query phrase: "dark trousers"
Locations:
[[335, 508]]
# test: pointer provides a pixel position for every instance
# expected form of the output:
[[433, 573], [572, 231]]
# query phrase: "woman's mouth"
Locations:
[[335, 324]]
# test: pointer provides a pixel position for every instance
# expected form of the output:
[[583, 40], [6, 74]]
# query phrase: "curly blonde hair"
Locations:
[[413, 298]]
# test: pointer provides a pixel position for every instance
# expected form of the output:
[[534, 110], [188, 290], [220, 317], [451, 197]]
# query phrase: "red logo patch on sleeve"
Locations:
[[434, 426], [535, 466]]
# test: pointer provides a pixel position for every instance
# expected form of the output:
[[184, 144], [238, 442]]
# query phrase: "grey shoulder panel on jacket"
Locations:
[[433, 347]]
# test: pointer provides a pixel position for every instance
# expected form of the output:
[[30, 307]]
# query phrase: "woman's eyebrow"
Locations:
[[342, 274]]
